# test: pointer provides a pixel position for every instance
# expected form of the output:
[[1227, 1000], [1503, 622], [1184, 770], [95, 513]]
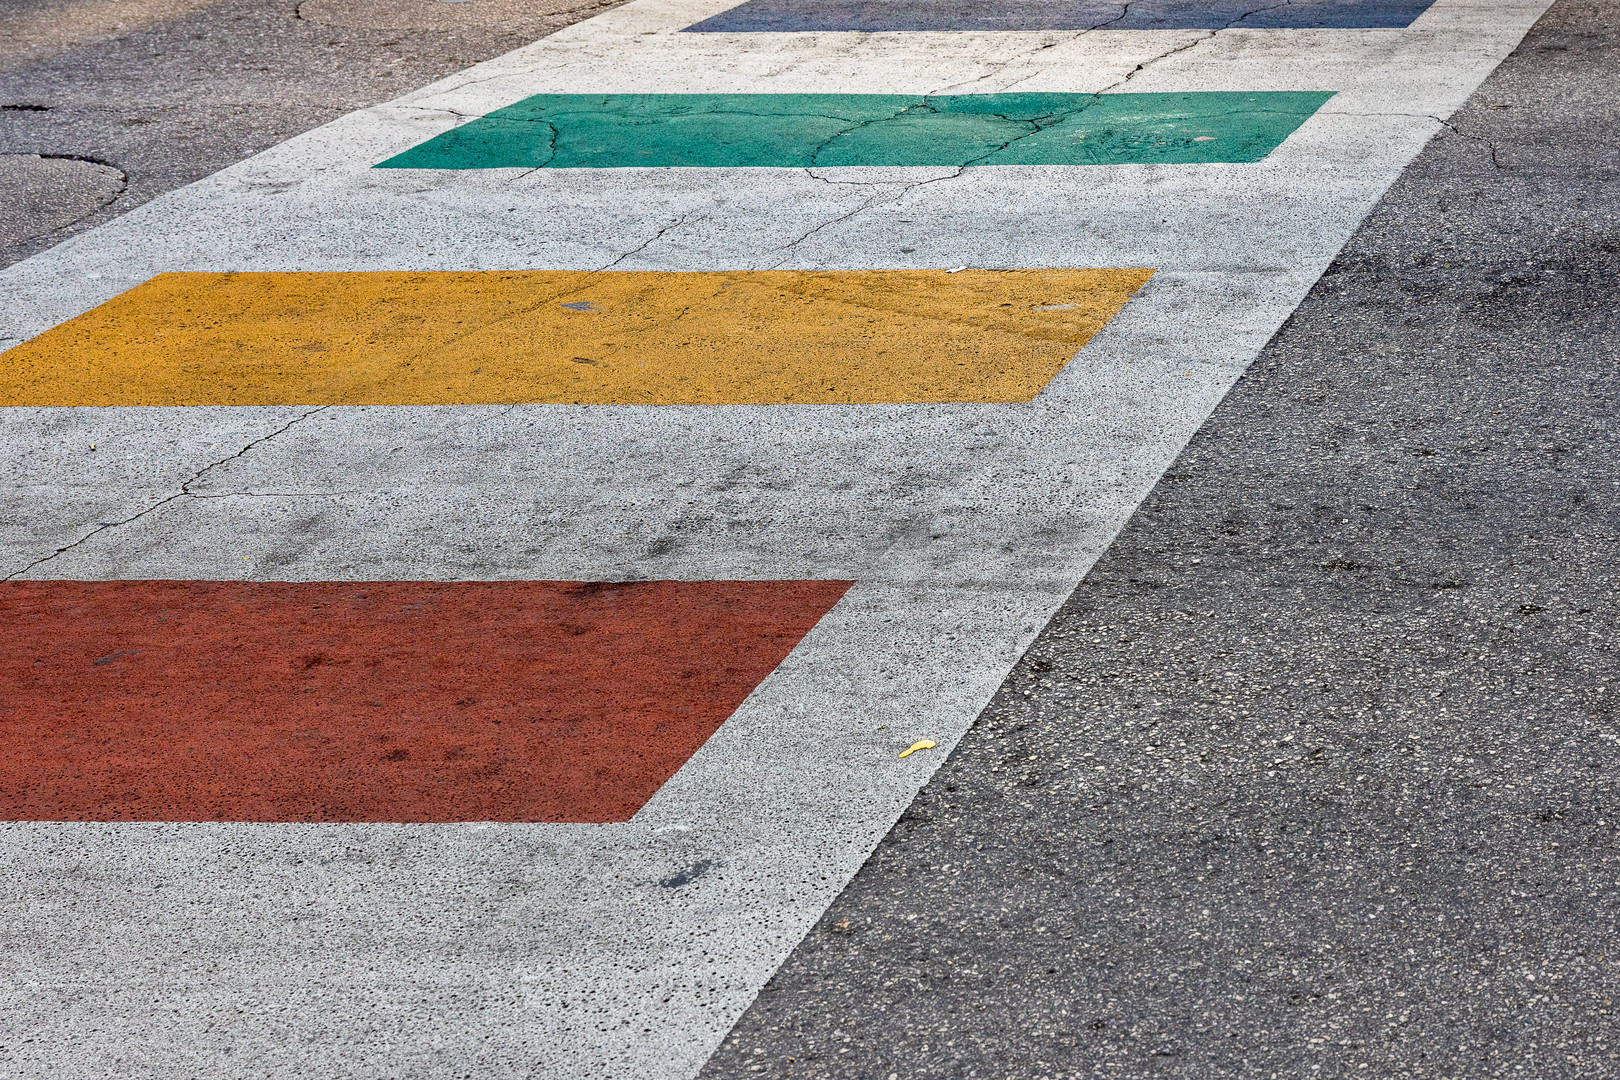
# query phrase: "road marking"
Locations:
[[953, 15], [374, 701], [570, 337], [558, 948], [597, 131]]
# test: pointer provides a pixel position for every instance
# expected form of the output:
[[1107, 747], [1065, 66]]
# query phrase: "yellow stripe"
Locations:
[[713, 338]]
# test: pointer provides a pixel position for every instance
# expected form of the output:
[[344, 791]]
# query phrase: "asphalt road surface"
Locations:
[[106, 103]]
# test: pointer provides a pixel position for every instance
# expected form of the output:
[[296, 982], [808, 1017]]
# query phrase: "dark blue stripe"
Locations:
[[873, 15]]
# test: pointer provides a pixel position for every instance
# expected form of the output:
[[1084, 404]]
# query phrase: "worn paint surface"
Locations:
[[373, 701], [606, 131], [563, 337], [876, 15]]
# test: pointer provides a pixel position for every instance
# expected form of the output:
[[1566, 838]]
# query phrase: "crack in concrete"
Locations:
[[867, 205], [185, 492], [1035, 128], [1034, 122], [1208, 35], [570, 289], [281, 494], [921, 103], [551, 152], [1490, 146], [906, 188], [1124, 10], [1123, 14], [1150, 61], [1443, 122], [651, 240], [440, 110], [1037, 124]]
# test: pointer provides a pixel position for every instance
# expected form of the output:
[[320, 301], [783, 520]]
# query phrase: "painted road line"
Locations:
[[800, 131], [866, 15], [571, 337], [374, 701], [512, 949]]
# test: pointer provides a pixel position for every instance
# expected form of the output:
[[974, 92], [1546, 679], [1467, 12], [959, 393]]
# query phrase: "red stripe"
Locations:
[[374, 701]]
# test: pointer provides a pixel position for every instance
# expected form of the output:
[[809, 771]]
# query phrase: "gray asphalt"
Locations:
[[145, 96], [1315, 773]]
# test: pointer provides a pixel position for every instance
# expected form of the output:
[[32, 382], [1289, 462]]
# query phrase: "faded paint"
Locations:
[[867, 15], [373, 701], [608, 131], [562, 337]]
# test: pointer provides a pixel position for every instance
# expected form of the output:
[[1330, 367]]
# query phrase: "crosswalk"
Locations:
[[389, 412]]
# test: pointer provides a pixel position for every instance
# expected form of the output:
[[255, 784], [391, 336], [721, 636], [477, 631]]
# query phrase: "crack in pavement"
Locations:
[[920, 103], [1448, 125], [1139, 68], [439, 110], [551, 153], [1124, 10], [791, 246], [1037, 124], [1442, 121], [569, 289], [1144, 65], [651, 240], [282, 494], [1036, 128], [906, 189], [185, 492]]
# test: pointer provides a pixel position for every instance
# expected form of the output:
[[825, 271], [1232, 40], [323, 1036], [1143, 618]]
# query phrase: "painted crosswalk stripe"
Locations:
[[373, 701], [561, 337], [867, 15], [607, 131]]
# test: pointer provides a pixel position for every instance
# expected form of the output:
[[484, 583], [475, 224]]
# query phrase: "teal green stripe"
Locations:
[[609, 131]]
